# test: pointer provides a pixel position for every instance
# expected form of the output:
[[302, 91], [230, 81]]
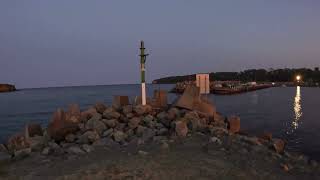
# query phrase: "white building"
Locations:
[[203, 82]]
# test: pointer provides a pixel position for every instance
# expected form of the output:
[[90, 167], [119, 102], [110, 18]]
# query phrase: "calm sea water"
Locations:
[[289, 113]]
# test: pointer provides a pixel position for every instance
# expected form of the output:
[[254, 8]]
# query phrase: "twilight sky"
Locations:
[[90, 42]]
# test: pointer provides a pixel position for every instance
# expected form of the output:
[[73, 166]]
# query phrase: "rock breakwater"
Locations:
[[75, 133]]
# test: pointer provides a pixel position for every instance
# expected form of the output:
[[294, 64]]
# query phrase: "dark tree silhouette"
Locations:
[[258, 75]]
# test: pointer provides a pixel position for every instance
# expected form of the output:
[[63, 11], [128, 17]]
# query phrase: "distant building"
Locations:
[[228, 84], [218, 85], [252, 83], [203, 82]]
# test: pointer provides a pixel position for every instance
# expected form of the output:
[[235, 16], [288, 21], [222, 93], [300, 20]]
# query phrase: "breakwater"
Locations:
[[75, 132]]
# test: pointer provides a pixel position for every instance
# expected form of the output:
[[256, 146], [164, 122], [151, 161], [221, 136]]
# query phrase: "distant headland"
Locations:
[[309, 76], [7, 88]]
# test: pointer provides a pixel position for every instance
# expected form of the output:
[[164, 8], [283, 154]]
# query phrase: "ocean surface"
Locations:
[[288, 112]]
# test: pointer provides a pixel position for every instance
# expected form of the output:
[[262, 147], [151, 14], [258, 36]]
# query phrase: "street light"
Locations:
[[298, 78]]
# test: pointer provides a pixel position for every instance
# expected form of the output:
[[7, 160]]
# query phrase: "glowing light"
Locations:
[[298, 78]]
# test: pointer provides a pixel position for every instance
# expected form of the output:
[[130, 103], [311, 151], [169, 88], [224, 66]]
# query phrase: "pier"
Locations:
[[225, 87]]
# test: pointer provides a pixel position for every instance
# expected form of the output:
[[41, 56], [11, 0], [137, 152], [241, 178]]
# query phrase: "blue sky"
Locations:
[[78, 42]]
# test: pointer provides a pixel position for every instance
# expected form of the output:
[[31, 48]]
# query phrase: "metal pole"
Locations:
[[143, 58]]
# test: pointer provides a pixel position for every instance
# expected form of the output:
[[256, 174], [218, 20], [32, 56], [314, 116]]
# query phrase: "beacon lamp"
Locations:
[[298, 78]]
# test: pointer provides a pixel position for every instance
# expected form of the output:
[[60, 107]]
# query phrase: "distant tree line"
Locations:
[[258, 75]]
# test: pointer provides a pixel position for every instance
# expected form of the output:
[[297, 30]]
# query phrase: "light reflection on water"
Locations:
[[296, 121], [297, 108]]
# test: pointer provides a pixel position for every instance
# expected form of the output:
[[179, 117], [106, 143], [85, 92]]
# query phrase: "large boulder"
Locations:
[[234, 124], [149, 121], [111, 123], [60, 126], [120, 126], [181, 128], [75, 150], [87, 148], [120, 101], [139, 130], [130, 133], [108, 110], [160, 99], [190, 95], [100, 107], [192, 100], [119, 136], [195, 122], [134, 122], [82, 127], [162, 115], [22, 153], [191, 115], [97, 125], [205, 107], [109, 113], [218, 131], [34, 129], [53, 148], [37, 143], [88, 137], [47, 151], [163, 118], [173, 113], [70, 138], [107, 133], [3, 148], [107, 141], [162, 132], [17, 142], [89, 113], [124, 119], [127, 109], [250, 140], [73, 114], [96, 117], [279, 145], [265, 137], [219, 117], [130, 115], [219, 120], [148, 134], [141, 110]]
